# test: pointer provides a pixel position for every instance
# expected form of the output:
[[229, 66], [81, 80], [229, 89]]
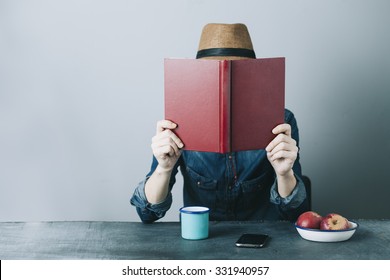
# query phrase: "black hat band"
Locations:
[[226, 52]]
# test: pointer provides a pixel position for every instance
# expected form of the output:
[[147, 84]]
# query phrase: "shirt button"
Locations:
[[198, 183]]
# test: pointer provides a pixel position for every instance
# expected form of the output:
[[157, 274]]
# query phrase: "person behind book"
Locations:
[[245, 185]]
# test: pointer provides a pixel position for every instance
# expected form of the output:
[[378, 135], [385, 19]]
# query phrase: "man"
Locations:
[[245, 185]]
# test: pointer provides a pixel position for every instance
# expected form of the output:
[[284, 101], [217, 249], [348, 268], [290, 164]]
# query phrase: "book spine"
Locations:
[[225, 105]]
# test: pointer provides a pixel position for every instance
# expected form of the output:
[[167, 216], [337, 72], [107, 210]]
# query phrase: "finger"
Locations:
[[176, 139], [282, 128], [165, 124], [284, 146], [166, 142], [159, 146], [283, 155], [161, 152], [279, 139], [165, 151], [168, 134]]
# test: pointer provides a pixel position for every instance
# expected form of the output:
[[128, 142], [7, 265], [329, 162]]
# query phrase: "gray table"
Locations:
[[161, 240]]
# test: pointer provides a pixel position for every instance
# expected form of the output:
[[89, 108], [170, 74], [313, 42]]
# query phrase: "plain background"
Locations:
[[81, 89]]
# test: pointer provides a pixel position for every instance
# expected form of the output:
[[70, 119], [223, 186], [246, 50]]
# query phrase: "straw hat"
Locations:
[[225, 42]]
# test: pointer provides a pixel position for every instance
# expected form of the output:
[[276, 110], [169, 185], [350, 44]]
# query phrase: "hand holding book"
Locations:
[[166, 145], [282, 151]]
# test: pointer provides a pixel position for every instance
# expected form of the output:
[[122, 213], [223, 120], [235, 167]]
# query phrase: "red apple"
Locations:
[[309, 219], [334, 222]]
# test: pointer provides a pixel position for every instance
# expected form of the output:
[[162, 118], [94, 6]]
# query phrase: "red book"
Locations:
[[225, 105]]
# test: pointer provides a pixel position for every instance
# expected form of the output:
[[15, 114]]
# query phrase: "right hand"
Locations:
[[166, 145]]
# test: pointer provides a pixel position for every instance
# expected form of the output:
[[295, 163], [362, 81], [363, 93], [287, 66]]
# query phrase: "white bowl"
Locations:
[[327, 235]]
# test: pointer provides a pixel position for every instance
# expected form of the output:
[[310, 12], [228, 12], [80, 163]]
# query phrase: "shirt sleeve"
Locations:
[[294, 200], [147, 211]]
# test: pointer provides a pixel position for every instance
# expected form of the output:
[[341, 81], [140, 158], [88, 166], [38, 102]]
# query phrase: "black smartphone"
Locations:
[[252, 240]]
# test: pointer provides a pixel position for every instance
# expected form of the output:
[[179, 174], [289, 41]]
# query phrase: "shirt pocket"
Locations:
[[202, 190], [201, 181], [254, 185], [254, 193]]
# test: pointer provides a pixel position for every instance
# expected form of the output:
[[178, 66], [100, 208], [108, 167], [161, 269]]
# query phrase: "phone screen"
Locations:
[[252, 240]]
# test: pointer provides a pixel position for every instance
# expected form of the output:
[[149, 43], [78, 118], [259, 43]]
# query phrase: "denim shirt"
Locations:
[[235, 186]]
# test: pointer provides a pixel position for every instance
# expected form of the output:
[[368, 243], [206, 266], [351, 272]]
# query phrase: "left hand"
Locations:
[[282, 151]]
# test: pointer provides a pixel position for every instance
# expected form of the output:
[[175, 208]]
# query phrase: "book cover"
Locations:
[[224, 105]]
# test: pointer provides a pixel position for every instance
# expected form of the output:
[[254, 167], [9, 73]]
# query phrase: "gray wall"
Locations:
[[81, 88]]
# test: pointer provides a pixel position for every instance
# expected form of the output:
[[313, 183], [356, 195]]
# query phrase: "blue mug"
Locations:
[[194, 222]]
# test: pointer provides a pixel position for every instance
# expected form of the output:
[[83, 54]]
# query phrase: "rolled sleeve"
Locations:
[[294, 200], [149, 212]]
